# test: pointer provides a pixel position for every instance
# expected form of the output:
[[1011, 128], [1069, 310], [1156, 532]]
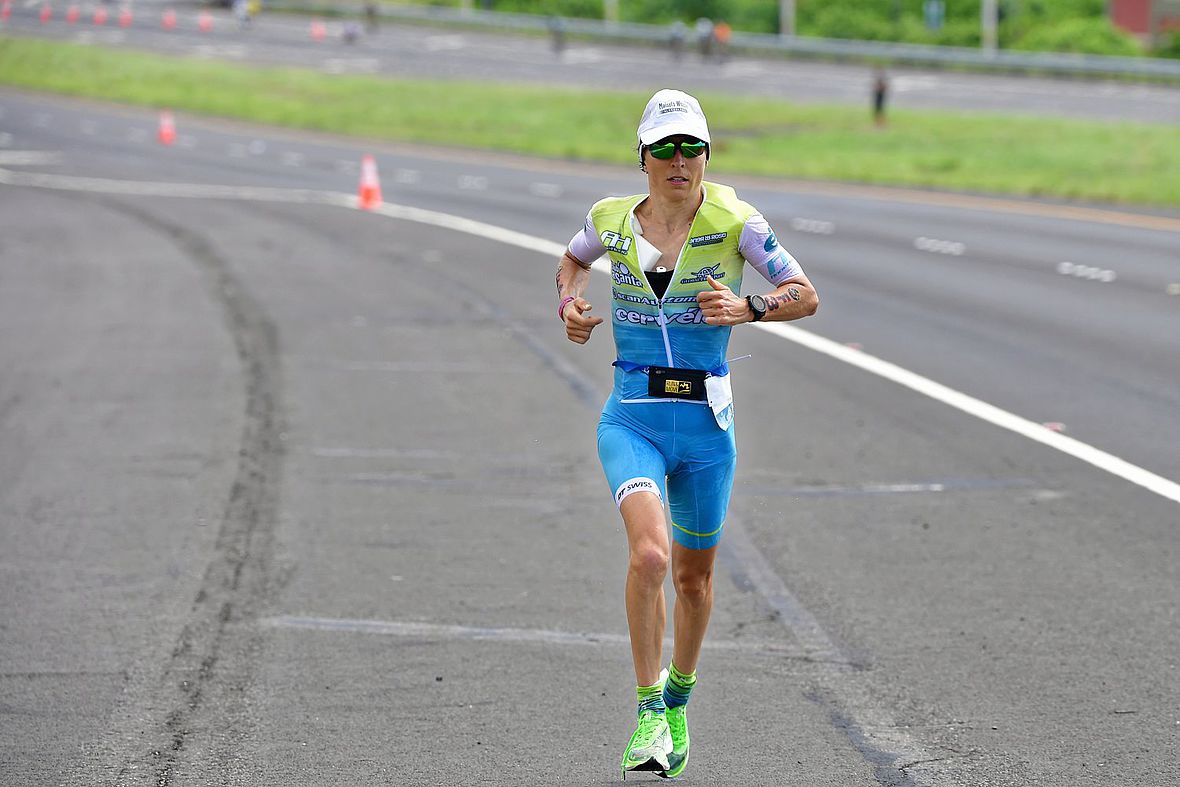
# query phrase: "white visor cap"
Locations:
[[671, 112]]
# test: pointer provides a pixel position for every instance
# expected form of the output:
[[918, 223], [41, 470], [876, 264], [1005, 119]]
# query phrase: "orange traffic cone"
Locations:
[[125, 17], [100, 16], [318, 30], [369, 196], [46, 13], [72, 14], [5, 10], [168, 20], [205, 22], [167, 132]]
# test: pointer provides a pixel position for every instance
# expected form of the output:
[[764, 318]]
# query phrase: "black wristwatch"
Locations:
[[757, 305]]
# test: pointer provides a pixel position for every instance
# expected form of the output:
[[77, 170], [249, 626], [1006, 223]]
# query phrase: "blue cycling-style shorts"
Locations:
[[677, 451]]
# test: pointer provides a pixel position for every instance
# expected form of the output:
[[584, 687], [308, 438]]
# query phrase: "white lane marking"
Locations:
[[443, 43], [473, 182], [960, 401], [397, 628], [815, 226], [26, 157], [1090, 272], [220, 51], [407, 176], [1173, 288], [582, 56], [546, 190], [936, 246], [354, 65]]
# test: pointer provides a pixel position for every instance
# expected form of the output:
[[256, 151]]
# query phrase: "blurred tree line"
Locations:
[[1045, 25]]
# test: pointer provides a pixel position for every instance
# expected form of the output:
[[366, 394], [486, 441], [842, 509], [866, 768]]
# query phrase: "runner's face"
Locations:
[[675, 177]]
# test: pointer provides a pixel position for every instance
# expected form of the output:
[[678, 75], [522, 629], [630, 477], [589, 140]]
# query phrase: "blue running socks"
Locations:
[[678, 687]]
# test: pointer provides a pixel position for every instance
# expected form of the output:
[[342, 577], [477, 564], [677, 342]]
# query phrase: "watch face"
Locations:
[[758, 304]]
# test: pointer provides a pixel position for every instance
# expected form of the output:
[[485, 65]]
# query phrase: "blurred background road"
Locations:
[[299, 494], [425, 51]]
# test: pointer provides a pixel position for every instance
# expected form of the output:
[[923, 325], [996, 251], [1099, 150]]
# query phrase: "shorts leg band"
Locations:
[[638, 484]]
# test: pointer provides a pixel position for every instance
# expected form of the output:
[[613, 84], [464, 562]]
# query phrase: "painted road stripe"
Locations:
[[889, 371], [395, 628]]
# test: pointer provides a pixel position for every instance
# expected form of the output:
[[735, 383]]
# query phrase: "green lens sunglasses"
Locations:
[[666, 150]]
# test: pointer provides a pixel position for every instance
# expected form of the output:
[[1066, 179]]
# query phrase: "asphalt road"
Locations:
[[439, 52], [292, 493]]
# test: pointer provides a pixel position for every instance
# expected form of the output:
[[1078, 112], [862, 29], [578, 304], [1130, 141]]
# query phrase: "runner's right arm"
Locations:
[[573, 274]]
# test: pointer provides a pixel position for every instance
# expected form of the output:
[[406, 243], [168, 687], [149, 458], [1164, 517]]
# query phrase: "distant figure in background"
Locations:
[[676, 40], [722, 32], [880, 93], [370, 16], [704, 30], [242, 13], [557, 34], [351, 32]]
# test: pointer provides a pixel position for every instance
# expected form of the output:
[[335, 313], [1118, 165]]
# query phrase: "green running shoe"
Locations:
[[649, 746], [678, 727]]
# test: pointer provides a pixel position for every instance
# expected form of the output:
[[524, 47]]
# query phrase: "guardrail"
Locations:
[[794, 46]]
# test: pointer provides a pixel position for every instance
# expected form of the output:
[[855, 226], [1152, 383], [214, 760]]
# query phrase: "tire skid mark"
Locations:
[[217, 647]]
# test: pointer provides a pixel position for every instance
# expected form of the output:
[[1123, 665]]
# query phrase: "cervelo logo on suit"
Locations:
[[704, 273], [693, 316], [636, 485], [613, 241]]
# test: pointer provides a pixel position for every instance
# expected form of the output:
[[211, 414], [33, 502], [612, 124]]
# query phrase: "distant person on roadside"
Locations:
[[557, 34], [666, 434], [370, 16], [880, 95], [676, 40], [704, 31], [351, 32], [242, 13], [722, 32]]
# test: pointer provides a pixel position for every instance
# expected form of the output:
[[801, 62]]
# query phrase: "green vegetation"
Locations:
[[1047, 25], [1108, 162]]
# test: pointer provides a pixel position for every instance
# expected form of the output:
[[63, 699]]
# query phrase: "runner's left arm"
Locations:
[[793, 295]]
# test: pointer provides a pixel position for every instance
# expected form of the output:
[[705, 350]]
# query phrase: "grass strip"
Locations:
[[1129, 163]]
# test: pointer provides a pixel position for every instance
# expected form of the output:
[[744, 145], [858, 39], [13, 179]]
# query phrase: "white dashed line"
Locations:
[[407, 176], [27, 157], [1103, 275], [546, 190], [954, 248], [473, 182], [814, 226], [351, 65], [443, 43], [1173, 288]]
